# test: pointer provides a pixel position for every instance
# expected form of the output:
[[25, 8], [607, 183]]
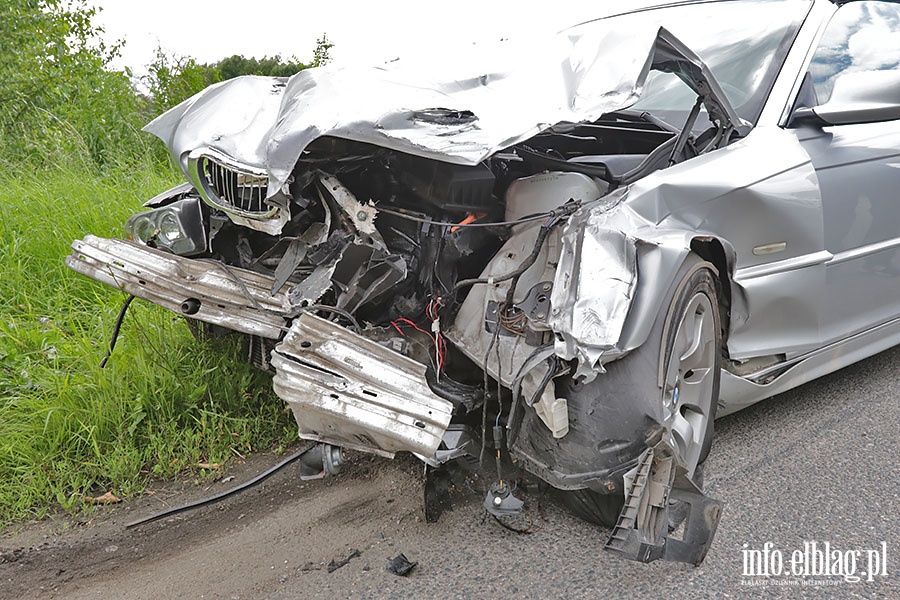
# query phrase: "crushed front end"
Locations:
[[406, 296], [398, 295]]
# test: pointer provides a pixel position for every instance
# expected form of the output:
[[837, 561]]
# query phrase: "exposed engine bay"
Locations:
[[378, 220], [449, 266]]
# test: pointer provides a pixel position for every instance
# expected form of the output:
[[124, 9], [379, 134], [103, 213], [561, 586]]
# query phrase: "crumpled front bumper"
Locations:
[[205, 290], [343, 388], [349, 391]]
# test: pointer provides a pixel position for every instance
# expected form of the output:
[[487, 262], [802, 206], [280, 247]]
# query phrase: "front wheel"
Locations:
[[691, 367], [677, 371]]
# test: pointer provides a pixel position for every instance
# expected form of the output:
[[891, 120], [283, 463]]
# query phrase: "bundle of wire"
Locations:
[[435, 335]]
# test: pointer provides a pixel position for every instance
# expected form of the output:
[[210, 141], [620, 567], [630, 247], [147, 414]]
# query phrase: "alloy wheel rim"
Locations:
[[689, 381]]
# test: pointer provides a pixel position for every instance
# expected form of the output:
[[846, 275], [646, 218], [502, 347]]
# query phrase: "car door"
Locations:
[[858, 170]]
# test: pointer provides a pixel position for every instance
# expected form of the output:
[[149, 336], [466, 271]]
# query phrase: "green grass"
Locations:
[[164, 402]]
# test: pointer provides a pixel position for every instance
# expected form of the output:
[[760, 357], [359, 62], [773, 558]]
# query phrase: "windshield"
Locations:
[[742, 42], [855, 41]]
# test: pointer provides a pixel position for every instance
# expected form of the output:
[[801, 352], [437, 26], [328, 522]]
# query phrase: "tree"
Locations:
[[235, 66], [62, 101], [172, 78], [59, 99], [322, 53]]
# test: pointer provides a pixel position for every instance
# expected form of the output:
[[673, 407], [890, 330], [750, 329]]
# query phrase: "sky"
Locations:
[[361, 31]]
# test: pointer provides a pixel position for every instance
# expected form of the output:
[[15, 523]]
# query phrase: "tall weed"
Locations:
[[164, 403]]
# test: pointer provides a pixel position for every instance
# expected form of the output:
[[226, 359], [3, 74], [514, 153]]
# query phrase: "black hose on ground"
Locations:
[[225, 494]]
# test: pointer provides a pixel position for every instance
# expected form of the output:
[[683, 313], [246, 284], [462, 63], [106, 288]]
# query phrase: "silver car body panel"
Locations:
[[740, 392], [585, 72], [347, 390], [716, 195]]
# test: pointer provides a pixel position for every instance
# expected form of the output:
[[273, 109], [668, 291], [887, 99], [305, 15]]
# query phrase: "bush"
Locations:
[[74, 161], [164, 403], [59, 101]]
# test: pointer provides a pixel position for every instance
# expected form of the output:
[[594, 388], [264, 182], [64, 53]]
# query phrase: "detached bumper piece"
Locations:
[[658, 484], [349, 391], [201, 289]]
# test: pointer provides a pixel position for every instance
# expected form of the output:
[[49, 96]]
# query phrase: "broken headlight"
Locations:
[[176, 227]]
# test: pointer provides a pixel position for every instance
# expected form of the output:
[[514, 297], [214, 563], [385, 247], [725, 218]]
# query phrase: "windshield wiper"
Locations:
[[643, 115]]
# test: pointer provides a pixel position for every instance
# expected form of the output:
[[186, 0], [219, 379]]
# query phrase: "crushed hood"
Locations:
[[463, 117]]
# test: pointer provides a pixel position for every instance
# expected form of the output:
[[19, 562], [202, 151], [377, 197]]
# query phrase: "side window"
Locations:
[[862, 36]]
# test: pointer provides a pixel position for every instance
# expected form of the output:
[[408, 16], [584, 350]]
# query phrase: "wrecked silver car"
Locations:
[[579, 254]]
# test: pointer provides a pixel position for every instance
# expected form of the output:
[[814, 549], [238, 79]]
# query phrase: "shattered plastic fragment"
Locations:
[[335, 565], [400, 565]]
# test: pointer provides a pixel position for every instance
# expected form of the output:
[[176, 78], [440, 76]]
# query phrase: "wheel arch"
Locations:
[[612, 415], [714, 251], [659, 261]]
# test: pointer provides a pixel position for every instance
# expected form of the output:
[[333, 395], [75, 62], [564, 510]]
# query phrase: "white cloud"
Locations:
[[869, 48]]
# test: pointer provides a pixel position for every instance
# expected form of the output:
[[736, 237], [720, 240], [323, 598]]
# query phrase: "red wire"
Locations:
[[439, 342]]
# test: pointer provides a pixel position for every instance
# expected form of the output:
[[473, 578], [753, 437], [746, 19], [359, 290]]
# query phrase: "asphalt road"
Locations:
[[815, 465]]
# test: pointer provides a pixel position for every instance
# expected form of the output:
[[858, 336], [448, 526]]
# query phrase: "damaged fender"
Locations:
[[591, 297]]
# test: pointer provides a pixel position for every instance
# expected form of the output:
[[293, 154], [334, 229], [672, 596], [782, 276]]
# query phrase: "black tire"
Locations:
[[685, 347], [593, 507], [696, 307]]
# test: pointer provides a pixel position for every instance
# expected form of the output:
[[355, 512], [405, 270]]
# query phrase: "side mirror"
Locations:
[[857, 97]]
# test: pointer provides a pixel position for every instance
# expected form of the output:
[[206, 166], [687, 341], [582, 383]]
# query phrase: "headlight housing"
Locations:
[[176, 227]]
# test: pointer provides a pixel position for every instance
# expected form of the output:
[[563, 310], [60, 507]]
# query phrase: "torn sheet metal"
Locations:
[[361, 215], [228, 296], [594, 287], [347, 390], [585, 72]]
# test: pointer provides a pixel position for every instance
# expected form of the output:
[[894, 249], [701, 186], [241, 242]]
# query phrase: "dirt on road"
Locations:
[[271, 540]]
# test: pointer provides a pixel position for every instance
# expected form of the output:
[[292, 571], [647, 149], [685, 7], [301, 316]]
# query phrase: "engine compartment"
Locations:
[[424, 209], [390, 245]]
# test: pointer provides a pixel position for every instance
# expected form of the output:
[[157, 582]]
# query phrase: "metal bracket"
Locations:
[[500, 501]]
